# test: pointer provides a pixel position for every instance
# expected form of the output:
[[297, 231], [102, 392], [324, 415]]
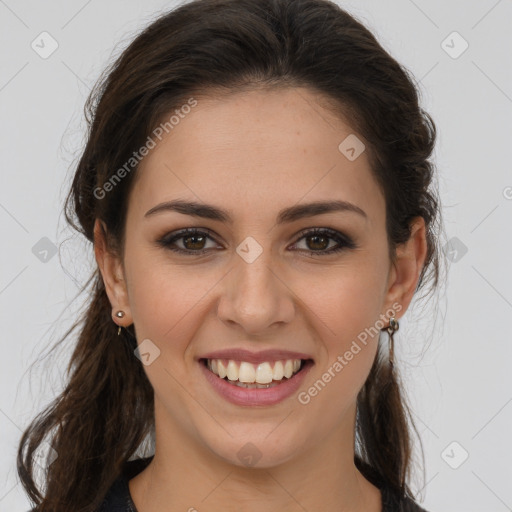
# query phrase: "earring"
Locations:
[[393, 327], [119, 314]]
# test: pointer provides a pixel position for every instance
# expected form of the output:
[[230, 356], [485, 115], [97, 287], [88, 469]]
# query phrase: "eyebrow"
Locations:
[[290, 214]]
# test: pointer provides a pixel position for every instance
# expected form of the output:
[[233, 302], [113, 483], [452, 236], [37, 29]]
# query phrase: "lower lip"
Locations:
[[256, 396]]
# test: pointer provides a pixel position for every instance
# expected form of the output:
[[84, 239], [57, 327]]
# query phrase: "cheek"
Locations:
[[345, 299], [344, 308], [349, 333], [166, 300]]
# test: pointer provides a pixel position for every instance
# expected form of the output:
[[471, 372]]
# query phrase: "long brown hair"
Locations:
[[105, 412]]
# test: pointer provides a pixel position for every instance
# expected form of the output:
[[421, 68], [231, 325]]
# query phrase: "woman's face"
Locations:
[[256, 280]]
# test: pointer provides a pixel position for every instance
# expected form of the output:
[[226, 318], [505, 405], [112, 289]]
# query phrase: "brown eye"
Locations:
[[192, 241], [318, 241]]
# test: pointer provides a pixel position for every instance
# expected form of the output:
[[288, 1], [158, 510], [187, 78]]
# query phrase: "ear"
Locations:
[[405, 271], [112, 271]]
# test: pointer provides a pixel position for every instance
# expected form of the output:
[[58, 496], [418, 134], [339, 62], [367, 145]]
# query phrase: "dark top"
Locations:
[[118, 498]]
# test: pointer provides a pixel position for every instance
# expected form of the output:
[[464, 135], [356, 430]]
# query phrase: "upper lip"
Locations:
[[240, 354]]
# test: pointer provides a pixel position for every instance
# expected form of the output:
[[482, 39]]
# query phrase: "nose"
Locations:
[[256, 295]]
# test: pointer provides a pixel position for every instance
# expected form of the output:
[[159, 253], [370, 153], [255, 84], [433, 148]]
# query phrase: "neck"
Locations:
[[184, 475]]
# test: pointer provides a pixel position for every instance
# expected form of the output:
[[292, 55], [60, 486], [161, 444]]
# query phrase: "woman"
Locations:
[[257, 188]]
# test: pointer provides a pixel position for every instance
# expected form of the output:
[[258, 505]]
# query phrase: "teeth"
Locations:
[[254, 385], [288, 369], [247, 373], [278, 373], [232, 371]]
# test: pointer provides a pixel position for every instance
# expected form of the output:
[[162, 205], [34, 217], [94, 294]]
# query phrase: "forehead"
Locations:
[[256, 152]]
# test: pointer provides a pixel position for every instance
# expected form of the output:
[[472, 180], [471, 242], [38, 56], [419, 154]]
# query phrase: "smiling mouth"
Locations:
[[262, 376]]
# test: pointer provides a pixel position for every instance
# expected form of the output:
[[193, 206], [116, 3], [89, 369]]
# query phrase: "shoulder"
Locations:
[[409, 505], [392, 500], [118, 497]]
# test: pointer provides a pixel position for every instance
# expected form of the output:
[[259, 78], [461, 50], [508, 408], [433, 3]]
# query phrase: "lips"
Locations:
[[240, 354], [276, 360], [257, 397]]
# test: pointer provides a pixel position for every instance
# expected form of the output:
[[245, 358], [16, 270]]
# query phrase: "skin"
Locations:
[[253, 154]]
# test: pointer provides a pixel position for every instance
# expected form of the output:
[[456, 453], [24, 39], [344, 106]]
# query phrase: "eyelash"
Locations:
[[344, 241]]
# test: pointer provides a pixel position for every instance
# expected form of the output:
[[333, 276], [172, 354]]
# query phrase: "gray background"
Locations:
[[455, 365]]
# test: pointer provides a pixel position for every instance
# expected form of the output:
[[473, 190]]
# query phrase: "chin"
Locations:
[[252, 451]]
